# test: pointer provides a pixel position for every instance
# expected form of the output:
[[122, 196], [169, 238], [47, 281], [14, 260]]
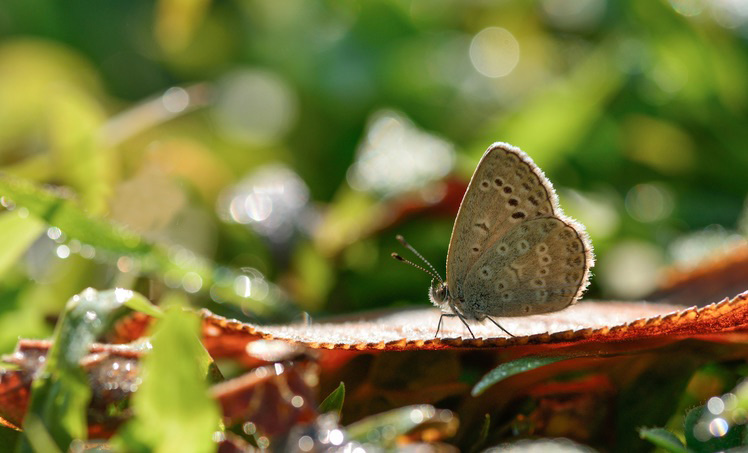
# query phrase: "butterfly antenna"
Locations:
[[405, 244], [400, 258]]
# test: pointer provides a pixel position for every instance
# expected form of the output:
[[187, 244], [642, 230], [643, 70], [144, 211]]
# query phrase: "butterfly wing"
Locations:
[[508, 191], [539, 266]]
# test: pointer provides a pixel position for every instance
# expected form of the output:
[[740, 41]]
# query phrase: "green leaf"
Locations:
[[143, 305], [483, 434], [60, 396], [17, 233], [173, 411], [334, 401], [508, 369], [83, 159], [9, 436], [382, 429], [698, 433], [663, 439], [57, 209]]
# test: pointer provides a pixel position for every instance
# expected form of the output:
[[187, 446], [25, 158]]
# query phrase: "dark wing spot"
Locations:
[[518, 215], [513, 202], [507, 189], [482, 226], [533, 200], [499, 182]]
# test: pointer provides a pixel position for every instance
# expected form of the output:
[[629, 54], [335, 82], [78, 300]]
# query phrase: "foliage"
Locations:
[[508, 369], [165, 418], [218, 151], [60, 396], [334, 401]]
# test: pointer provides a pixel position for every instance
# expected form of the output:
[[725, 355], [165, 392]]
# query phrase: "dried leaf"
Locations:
[[112, 372], [584, 323], [712, 279], [274, 397]]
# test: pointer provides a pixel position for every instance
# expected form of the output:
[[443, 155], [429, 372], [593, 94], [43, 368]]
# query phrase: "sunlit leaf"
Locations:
[[663, 439], [139, 303], [113, 241], [509, 369], [703, 436], [384, 428], [17, 233], [58, 210], [334, 401], [81, 158], [605, 323], [60, 397], [173, 411]]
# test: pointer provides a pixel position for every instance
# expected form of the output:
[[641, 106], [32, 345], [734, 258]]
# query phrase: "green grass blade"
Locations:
[[193, 273], [508, 369], [139, 303], [60, 396], [663, 439], [173, 411], [334, 401], [17, 233], [382, 429]]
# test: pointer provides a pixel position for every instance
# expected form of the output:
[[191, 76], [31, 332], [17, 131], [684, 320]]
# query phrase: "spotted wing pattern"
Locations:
[[507, 229]]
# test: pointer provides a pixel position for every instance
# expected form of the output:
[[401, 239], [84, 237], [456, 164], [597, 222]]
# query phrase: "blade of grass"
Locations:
[[60, 396], [173, 411], [334, 401], [508, 369], [382, 429], [663, 439], [17, 233], [483, 435], [177, 267]]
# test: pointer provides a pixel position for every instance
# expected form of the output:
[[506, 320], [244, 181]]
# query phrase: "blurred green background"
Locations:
[[268, 152]]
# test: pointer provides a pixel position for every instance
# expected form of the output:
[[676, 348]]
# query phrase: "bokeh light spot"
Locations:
[[494, 52]]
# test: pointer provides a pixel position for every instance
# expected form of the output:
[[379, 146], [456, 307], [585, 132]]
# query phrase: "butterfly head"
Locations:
[[438, 293]]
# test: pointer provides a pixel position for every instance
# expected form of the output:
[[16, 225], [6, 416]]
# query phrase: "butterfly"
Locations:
[[513, 252]]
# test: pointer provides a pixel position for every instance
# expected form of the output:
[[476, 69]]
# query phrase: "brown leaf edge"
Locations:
[[725, 316]]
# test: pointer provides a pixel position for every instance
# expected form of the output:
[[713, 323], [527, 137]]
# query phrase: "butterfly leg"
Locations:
[[466, 324], [439, 326], [499, 326]]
